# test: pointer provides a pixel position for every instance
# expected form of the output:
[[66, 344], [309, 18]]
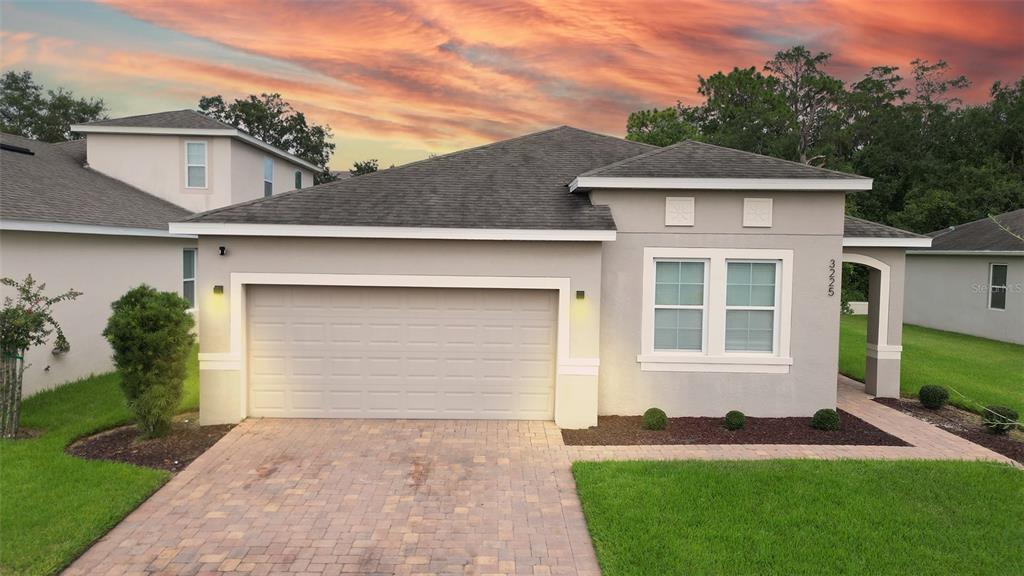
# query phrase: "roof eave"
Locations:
[[844, 184], [885, 242], [941, 252], [95, 229], [229, 132], [394, 232]]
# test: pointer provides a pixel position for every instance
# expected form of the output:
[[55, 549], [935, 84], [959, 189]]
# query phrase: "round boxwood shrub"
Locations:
[[999, 419], [825, 419], [655, 419], [151, 335], [734, 420], [933, 397]]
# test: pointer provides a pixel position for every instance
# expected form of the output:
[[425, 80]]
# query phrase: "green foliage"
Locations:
[[999, 419], [151, 334], [273, 120], [747, 110], [659, 127], [29, 110], [825, 419], [734, 420], [28, 320], [364, 167], [655, 419], [932, 396]]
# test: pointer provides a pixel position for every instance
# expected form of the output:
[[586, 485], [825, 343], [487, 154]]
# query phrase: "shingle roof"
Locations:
[[983, 234], [75, 148], [53, 186], [515, 184], [691, 159], [188, 119], [859, 228]]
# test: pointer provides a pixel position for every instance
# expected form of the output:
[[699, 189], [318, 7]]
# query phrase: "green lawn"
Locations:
[[984, 371], [53, 506], [804, 517]]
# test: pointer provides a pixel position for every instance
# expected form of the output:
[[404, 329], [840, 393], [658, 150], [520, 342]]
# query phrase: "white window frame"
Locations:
[[205, 165], [195, 273], [265, 181], [703, 308], [774, 308], [991, 286], [714, 358]]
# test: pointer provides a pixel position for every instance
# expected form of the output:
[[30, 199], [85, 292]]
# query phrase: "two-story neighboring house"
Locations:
[[93, 215]]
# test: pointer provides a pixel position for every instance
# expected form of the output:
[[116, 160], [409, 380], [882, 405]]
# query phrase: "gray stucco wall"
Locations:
[[809, 223], [951, 293], [103, 268]]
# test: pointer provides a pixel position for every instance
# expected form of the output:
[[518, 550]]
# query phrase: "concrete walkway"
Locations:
[[413, 496]]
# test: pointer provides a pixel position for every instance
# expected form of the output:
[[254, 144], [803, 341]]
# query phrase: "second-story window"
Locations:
[[298, 179], [195, 164], [268, 176]]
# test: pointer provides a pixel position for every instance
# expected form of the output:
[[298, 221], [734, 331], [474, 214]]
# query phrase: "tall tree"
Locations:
[[745, 109], [273, 120], [29, 110], [812, 95], [363, 167], [660, 127]]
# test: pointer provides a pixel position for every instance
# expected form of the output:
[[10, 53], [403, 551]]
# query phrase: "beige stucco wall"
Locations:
[[809, 223], [579, 261], [156, 164], [103, 268], [951, 293]]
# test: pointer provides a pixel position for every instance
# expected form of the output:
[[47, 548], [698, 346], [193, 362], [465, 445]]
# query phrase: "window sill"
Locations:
[[728, 364]]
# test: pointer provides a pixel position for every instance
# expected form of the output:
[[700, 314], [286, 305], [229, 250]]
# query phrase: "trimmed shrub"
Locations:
[[734, 420], [999, 419], [151, 334], [933, 397], [655, 419], [825, 419]]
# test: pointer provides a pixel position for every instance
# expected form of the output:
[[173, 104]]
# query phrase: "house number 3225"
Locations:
[[832, 277]]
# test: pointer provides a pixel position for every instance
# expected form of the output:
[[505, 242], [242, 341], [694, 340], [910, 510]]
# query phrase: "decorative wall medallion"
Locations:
[[757, 212], [678, 211]]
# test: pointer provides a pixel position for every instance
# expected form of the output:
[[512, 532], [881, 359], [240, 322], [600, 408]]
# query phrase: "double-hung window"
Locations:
[[188, 276], [750, 303], [298, 179], [268, 176], [195, 164], [997, 286], [679, 298]]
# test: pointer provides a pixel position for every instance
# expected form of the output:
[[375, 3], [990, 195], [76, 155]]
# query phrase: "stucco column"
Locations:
[[885, 329]]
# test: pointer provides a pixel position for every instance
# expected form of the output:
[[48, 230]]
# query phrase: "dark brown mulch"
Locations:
[[186, 441], [964, 424], [629, 430]]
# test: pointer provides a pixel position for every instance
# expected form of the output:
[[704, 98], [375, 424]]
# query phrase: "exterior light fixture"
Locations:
[[218, 289], [580, 294], [223, 250]]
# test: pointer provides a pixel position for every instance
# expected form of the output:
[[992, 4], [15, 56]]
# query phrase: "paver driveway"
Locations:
[[414, 496]]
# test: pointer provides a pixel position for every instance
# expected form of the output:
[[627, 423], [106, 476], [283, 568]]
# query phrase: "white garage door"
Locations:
[[361, 352]]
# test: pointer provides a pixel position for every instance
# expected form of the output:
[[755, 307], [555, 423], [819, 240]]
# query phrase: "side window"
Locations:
[[268, 176], [750, 306], [298, 179], [195, 164], [997, 286], [679, 305], [188, 276]]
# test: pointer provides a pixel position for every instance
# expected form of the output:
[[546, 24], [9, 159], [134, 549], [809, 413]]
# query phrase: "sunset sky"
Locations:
[[399, 80]]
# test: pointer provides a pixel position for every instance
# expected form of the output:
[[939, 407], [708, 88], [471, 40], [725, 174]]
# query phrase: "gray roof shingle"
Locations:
[[983, 234], [75, 148], [187, 119], [691, 159], [51, 185], [520, 183], [854, 227]]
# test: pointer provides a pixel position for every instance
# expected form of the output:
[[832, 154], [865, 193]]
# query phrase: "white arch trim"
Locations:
[[881, 348]]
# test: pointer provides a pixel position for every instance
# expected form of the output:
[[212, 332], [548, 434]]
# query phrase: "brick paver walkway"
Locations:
[[412, 497]]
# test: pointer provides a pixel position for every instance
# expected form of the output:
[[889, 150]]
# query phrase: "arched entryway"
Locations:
[[885, 317]]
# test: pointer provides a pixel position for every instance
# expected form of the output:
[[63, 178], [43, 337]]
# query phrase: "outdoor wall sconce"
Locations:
[[580, 294], [223, 250], [218, 289]]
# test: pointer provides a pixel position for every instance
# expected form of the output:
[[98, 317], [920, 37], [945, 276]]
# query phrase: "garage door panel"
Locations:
[[401, 352]]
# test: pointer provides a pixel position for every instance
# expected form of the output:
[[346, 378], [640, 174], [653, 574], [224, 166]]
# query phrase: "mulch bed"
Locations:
[[629, 431], [964, 424], [186, 441]]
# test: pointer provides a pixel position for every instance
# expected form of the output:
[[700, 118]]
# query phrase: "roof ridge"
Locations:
[[986, 218], [747, 152], [657, 150]]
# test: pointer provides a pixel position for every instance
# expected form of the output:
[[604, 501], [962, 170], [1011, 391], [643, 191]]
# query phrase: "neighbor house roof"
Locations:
[[691, 164], [860, 232], [995, 234], [47, 184], [513, 184], [184, 123]]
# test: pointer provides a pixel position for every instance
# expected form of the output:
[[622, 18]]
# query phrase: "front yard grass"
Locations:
[[53, 506], [984, 371], [804, 517]]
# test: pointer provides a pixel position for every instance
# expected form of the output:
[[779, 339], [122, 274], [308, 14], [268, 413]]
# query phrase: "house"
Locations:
[[92, 215], [971, 279], [558, 275]]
